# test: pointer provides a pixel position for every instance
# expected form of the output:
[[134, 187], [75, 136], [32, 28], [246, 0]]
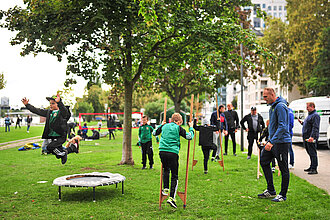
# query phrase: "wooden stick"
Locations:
[[161, 196], [183, 195], [194, 162], [258, 167], [218, 116]]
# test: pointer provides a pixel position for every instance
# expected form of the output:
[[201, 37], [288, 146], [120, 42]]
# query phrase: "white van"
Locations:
[[322, 106]]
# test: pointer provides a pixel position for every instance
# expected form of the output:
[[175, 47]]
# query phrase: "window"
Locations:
[[256, 22], [275, 14], [263, 84], [262, 95], [263, 5], [284, 8], [280, 8], [257, 98], [275, 8], [269, 8], [280, 14]]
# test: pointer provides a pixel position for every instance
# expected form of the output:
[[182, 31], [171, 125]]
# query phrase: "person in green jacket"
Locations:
[[169, 152], [145, 142]]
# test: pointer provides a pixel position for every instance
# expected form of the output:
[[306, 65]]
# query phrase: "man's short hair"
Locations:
[[144, 116], [271, 90], [311, 104], [176, 117], [221, 106]]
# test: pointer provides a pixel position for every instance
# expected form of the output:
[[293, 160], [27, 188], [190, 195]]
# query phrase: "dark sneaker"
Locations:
[[307, 170], [143, 168], [217, 158], [313, 172], [151, 167], [235, 155], [279, 198], [273, 169], [205, 172], [212, 159], [172, 201], [64, 158], [225, 154], [248, 157], [267, 194]]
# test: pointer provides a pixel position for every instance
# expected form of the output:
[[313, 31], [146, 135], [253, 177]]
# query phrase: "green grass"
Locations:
[[19, 133], [217, 195]]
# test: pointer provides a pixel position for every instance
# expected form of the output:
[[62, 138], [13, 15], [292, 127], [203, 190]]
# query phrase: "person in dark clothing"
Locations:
[[255, 125], [111, 124], [233, 124], [223, 128], [56, 127], [265, 135], [277, 145], [72, 126], [95, 135], [18, 122], [84, 131], [206, 140], [28, 122], [310, 134], [7, 123]]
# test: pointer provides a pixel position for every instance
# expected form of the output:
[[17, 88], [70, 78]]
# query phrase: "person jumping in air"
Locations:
[[169, 152], [55, 127]]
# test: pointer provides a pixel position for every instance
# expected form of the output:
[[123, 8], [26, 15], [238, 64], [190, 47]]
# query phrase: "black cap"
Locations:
[[253, 108], [51, 98]]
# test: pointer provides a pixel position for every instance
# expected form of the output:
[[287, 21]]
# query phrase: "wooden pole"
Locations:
[[194, 162], [161, 196], [258, 167], [218, 116], [183, 195]]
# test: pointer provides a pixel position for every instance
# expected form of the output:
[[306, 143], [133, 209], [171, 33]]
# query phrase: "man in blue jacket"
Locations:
[[277, 146], [310, 131]]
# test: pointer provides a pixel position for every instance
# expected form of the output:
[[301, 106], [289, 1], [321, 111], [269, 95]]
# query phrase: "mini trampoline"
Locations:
[[89, 180]]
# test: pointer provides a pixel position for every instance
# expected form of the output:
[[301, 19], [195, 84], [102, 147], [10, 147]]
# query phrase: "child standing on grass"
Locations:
[[55, 127], [145, 142], [169, 152], [206, 139]]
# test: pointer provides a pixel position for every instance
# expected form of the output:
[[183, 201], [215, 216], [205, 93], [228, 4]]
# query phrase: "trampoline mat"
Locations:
[[89, 179]]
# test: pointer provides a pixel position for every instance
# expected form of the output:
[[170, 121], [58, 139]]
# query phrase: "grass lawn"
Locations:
[[19, 133], [217, 195]]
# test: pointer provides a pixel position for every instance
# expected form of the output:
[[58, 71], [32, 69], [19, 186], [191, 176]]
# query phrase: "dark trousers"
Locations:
[[311, 151], [206, 152], [111, 133], [280, 152], [146, 149], [19, 125], [55, 147], [291, 154], [7, 126], [170, 163], [252, 136], [232, 136]]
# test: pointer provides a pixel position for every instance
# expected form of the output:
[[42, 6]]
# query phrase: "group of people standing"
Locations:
[[9, 121]]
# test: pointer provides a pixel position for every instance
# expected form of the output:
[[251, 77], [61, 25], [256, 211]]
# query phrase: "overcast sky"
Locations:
[[29, 76]]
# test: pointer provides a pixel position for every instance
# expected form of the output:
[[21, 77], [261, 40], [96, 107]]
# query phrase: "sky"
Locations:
[[29, 76]]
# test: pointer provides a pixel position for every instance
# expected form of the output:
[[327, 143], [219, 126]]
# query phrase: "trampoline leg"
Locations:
[[116, 185], [59, 193], [122, 187], [93, 194]]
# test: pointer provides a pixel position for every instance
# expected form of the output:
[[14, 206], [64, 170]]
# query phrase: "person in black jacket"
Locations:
[[111, 124], [55, 127], [233, 124], [255, 125], [206, 139]]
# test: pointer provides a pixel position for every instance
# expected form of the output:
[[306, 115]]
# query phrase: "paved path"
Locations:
[[302, 161], [19, 143]]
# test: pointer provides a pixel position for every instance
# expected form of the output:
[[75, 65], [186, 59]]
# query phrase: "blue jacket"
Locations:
[[223, 121], [311, 125], [279, 122], [291, 124]]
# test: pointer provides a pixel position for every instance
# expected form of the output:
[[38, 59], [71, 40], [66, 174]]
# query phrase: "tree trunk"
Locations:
[[177, 104], [127, 135]]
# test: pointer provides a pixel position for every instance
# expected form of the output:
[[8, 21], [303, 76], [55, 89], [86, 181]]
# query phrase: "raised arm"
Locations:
[[31, 108]]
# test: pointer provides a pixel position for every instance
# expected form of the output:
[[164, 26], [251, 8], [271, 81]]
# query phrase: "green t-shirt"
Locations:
[[145, 132], [53, 115]]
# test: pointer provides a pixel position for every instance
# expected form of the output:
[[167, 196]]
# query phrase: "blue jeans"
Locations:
[[7, 126], [291, 154]]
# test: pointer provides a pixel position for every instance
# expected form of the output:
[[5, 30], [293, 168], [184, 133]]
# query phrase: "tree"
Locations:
[[82, 106], [2, 81], [94, 97], [121, 41]]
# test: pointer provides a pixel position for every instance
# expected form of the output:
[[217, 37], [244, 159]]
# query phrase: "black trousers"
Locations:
[[206, 152], [146, 149], [55, 147], [280, 152], [311, 151], [170, 163], [232, 136], [111, 133], [252, 137]]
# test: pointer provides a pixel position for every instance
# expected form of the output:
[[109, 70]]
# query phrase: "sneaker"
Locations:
[[64, 158], [172, 201], [248, 157], [143, 168], [225, 154], [307, 170], [217, 158], [151, 167], [235, 155], [273, 169], [267, 194], [212, 159], [312, 172], [291, 166], [279, 198], [205, 171], [165, 192]]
